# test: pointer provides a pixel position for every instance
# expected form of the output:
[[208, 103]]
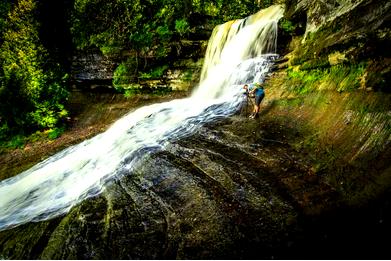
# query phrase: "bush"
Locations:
[[182, 26], [5, 6], [124, 74], [31, 93], [55, 133], [155, 73], [287, 26], [17, 142], [164, 33]]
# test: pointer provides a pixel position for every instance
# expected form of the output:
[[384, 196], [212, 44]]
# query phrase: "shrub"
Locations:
[[55, 133], [155, 73], [31, 92], [182, 26], [287, 26], [124, 74]]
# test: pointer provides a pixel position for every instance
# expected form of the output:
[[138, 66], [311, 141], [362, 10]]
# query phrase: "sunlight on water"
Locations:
[[239, 52]]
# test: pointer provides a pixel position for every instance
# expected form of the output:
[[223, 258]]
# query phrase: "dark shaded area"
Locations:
[[344, 233], [55, 17]]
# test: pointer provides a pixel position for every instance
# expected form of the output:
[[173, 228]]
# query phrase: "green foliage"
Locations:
[[124, 74], [164, 33], [145, 25], [4, 131], [304, 81], [155, 73], [224, 10], [137, 89], [187, 76], [132, 91], [347, 77], [182, 26], [16, 142], [104, 24], [141, 40], [31, 89], [47, 114], [5, 6], [321, 62], [287, 26], [55, 133], [161, 90], [341, 77]]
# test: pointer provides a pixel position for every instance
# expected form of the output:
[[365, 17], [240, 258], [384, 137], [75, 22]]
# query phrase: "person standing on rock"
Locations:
[[255, 89]]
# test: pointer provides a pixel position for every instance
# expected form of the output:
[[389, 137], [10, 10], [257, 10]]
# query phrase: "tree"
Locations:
[[39, 90]]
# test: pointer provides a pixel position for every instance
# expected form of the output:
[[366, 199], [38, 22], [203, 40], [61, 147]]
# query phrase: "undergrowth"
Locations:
[[19, 141]]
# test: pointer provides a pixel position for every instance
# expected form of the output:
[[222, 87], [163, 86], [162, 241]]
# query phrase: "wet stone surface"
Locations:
[[234, 189]]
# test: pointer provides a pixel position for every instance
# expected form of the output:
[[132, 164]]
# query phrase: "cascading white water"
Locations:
[[238, 53]]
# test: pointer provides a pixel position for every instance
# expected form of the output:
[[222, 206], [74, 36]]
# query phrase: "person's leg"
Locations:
[[254, 112], [258, 100], [254, 109]]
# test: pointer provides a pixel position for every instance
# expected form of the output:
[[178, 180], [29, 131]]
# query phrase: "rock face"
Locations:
[[236, 189], [213, 195], [92, 70], [353, 31], [321, 13]]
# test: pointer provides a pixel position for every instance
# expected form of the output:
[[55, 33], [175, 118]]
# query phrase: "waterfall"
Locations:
[[239, 52]]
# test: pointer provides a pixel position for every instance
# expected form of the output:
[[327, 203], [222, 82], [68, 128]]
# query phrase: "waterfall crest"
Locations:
[[239, 52], [260, 29]]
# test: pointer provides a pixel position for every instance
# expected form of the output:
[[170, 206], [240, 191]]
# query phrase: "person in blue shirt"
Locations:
[[255, 89]]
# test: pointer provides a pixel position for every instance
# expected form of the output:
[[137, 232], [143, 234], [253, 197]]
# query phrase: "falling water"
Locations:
[[239, 52]]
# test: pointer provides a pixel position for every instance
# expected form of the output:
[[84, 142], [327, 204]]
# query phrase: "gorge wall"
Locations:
[[92, 69], [334, 79]]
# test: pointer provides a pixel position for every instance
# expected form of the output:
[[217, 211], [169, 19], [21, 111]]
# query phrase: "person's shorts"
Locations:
[[259, 98]]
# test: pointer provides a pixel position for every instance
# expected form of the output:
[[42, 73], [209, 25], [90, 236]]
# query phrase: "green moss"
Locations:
[[318, 63], [293, 102], [303, 82], [341, 77]]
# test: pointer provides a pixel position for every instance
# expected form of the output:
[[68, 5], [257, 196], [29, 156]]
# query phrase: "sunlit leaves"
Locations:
[[31, 93], [182, 26]]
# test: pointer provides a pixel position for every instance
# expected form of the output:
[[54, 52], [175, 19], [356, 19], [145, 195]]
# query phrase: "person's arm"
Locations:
[[254, 88]]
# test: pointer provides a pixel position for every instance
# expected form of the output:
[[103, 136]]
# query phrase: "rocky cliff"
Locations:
[[334, 79], [92, 69]]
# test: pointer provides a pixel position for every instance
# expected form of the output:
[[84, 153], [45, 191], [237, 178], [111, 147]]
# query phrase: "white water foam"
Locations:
[[53, 186]]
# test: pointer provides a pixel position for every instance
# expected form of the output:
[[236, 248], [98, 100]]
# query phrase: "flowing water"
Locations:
[[239, 52]]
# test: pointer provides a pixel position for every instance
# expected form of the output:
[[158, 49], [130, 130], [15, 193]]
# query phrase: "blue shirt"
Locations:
[[258, 91]]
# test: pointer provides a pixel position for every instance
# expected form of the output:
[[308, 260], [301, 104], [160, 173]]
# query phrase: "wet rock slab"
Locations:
[[231, 190]]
